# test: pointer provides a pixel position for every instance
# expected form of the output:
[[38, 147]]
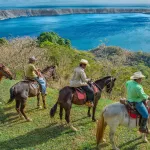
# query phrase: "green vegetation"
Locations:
[[3, 41], [128, 58], [52, 37], [45, 133]]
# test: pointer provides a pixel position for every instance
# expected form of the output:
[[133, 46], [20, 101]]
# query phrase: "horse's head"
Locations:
[[110, 82], [50, 72], [5, 72]]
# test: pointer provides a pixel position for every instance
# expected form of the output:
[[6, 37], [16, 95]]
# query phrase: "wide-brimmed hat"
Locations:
[[32, 58], [137, 75], [83, 61]]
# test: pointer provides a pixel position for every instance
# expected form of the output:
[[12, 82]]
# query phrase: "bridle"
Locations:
[[111, 79]]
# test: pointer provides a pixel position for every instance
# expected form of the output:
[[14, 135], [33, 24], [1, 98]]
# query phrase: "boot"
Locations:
[[143, 126], [89, 104]]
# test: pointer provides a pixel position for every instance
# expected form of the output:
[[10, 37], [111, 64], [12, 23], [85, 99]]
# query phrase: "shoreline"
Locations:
[[16, 13]]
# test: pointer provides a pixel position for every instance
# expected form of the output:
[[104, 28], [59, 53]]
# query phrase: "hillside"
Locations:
[[45, 133], [6, 14], [48, 134]]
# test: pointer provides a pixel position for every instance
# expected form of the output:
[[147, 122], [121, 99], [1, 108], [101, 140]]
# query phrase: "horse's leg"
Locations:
[[111, 136], [18, 109], [61, 114], [38, 101], [23, 104], [89, 113], [67, 117], [94, 109], [44, 101], [144, 138]]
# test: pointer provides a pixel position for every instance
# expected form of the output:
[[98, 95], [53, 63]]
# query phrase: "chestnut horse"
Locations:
[[66, 98], [5, 72], [24, 89]]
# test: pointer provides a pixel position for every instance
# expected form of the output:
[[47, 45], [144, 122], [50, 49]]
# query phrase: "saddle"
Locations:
[[80, 97], [133, 113], [32, 83]]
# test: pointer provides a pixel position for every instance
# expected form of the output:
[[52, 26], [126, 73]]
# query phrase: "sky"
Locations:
[[68, 2]]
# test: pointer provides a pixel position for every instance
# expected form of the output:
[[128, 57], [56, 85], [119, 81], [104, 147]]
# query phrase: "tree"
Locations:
[[53, 38]]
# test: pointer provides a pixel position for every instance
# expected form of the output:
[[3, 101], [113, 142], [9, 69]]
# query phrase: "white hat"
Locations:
[[32, 58], [137, 75], [83, 61]]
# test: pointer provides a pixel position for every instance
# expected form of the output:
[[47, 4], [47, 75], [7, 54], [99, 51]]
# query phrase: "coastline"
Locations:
[[8, 14]]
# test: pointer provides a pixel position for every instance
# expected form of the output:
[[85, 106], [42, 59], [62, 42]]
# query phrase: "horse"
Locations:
[[115, 115], [66, 99], [5, 72], [24, 89]]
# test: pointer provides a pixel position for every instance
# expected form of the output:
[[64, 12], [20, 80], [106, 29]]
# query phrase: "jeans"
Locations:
[[42, 82], [89, 93], [142, 110]]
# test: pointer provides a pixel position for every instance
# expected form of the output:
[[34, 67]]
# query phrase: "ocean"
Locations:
[[86, 31]]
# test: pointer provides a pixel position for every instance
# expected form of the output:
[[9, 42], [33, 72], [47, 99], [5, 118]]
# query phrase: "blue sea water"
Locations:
[[86, 31]]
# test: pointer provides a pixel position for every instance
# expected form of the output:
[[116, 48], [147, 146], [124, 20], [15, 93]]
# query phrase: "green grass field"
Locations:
[[45, 133]]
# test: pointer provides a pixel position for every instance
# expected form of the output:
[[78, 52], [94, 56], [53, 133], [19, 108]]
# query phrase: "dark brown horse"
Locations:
[[5, 72], [24, 89], [66, 98]]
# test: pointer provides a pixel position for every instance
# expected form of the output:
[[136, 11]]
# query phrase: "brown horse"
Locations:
[[66, 98], [5, 72], [24, 89]]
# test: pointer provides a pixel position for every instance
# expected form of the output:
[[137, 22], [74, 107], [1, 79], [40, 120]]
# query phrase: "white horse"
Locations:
[[114, 115]]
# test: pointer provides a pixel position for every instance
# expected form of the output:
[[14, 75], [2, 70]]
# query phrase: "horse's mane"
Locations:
[[105, 78], [47, 69]]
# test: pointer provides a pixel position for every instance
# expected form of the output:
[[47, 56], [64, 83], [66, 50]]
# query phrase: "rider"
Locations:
[[136, 95], [80, 80], [33, 73]]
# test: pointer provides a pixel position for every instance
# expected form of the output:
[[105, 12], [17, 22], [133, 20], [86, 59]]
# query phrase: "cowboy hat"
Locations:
[[83, 61], [32, 58], [137, 75]]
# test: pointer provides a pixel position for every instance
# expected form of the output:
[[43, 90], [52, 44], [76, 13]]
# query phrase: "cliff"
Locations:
[[6, 14]]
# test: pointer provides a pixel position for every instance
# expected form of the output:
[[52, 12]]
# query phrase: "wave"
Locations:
[[7, 14]]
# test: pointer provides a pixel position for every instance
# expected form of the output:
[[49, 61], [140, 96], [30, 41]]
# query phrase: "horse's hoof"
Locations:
[[21, 117], [39, 107], [145, 140], [89, 115], [94, 120], [73, 128], [29, 120], [45, 107], [104, 140]]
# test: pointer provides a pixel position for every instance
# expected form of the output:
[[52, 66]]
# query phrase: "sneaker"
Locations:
[[89, 104]]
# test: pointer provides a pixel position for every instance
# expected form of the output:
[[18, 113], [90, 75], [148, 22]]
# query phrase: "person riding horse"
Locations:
[[136, 95], [79, 79], [34, 74]]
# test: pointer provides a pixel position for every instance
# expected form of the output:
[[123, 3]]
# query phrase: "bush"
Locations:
[[3, 41], [53, 38]]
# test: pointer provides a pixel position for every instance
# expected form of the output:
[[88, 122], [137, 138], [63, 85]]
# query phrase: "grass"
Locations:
[[45, 133]]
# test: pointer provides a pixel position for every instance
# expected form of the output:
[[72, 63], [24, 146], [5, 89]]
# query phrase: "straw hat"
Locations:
[[137, 75], [32, 58], [83, 61]]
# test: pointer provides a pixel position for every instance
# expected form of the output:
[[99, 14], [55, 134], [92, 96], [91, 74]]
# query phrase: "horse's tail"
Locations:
[[100, 129], [12, 95], [53, 110]]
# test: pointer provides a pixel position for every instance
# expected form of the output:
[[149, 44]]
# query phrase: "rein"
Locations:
[[111, 79]]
